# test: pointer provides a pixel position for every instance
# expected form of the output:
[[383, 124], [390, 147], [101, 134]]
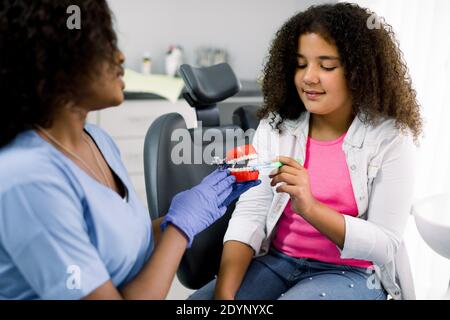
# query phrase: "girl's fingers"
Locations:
[[289, 161], [291, 190], [288, 178], [285, 169]]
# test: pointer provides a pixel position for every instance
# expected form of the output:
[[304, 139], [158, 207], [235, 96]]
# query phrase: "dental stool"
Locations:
[[168, 170]]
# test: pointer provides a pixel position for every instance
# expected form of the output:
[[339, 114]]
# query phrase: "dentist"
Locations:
[[71, 224]]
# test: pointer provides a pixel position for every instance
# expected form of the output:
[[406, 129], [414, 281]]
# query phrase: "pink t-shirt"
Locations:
[[330, 184]]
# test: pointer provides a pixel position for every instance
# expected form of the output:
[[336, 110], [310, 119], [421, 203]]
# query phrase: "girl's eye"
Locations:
[[303, 66]]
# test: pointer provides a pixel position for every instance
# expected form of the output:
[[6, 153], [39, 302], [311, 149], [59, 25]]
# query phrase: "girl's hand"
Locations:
[[296, 184]]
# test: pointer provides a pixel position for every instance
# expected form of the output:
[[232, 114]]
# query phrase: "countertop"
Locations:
[[249, 89]]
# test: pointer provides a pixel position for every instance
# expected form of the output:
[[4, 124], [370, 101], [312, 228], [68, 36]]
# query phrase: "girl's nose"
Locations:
[[311, 76]]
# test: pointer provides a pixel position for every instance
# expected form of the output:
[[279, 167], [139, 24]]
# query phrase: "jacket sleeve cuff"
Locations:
[[359, 239]]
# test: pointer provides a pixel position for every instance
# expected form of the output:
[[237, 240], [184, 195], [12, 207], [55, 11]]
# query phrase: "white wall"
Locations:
[[243, 27], [421, 28]]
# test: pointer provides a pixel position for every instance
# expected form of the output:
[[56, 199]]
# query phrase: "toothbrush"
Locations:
[[270, 165], [266, 166]]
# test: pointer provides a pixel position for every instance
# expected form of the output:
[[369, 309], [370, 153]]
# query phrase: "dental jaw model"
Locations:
[[236, 162], [238, 159]]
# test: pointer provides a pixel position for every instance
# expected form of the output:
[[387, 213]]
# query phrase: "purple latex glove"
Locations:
[[238, 189], [195, 209]]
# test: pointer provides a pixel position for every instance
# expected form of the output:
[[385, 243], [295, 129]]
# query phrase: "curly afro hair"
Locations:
[[375, 71], [43, 63]]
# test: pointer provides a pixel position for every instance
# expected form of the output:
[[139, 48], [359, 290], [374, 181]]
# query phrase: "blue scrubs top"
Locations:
[[62, 233]]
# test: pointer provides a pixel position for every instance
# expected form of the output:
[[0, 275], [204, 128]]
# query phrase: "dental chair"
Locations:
[[246, 117], [168, 171]]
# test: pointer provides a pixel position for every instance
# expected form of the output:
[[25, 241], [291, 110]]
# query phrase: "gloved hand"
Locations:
[[195, 209], [238, 189]]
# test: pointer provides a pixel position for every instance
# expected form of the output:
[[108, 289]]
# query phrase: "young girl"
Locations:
[[341, 112]]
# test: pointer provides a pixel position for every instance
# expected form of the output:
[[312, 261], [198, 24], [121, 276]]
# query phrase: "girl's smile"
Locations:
[[313, 95]]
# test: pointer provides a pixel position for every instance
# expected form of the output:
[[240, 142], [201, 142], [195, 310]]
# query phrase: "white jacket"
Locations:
[[381, 164]]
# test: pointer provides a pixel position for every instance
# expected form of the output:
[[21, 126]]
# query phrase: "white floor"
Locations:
[[178, 291]]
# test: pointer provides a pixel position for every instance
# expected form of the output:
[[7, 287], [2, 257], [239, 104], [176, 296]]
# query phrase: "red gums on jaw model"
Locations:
[[244, 176]]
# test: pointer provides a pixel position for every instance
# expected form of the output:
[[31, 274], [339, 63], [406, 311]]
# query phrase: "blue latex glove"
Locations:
[[238, 189], [195, 209]]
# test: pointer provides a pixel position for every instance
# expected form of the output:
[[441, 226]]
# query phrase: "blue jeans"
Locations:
[[278, 276]]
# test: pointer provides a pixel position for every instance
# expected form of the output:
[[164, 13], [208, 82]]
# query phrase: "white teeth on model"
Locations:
[[241, 169], [243, 158]]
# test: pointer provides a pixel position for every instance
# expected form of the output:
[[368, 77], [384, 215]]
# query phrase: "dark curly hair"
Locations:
[[375, 71], [43, 63]]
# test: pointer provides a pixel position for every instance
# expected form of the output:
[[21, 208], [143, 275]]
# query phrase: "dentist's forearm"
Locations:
[[236, 257], [155, 279], [328, 221], [156, 227]]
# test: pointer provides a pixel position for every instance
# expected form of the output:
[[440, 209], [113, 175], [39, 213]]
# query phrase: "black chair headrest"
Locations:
[[209, 85]]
